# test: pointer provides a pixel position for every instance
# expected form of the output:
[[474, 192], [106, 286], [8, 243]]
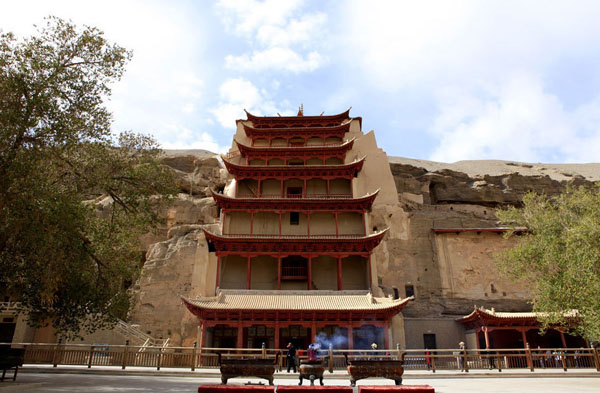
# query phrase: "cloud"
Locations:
[[508, 79], [163, 84], [283, 38], [275, 58], [516, 121], [188, 139], [237, 94], [405, 43], [246, 16]]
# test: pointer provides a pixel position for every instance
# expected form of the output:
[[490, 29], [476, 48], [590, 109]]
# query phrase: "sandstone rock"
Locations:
[[175, 267], [197, 175], [444, 185]]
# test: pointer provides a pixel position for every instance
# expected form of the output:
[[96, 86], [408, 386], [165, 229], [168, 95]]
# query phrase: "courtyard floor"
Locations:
[[38, 379]]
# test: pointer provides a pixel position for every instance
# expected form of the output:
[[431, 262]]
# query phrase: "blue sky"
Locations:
[[437, 80]]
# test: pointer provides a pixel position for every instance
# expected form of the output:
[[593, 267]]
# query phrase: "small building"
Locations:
[[488, 329]]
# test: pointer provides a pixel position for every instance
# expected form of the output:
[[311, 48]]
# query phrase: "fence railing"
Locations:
[[10, 306], [294, 196], [276, 236], [193, 357]]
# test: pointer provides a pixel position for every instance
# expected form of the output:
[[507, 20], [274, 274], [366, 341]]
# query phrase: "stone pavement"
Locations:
[[107, 379]]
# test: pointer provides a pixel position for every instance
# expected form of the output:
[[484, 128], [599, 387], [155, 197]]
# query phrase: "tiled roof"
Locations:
[[483, 313], [296, 300]]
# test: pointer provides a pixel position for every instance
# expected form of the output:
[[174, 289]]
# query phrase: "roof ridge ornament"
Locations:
[[301, 110]]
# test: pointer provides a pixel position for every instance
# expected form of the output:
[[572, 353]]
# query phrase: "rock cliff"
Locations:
[[449, 274]]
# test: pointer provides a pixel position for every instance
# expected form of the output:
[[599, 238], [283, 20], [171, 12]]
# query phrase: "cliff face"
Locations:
[[452, 272], [178, 262], [449, 272]]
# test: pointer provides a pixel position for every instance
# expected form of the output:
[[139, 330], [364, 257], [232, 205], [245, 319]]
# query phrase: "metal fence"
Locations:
[[191, 357]]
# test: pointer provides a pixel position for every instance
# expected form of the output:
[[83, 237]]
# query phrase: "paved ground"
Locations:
[[105, 380]]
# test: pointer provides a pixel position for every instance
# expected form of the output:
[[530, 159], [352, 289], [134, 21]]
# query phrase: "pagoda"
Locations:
[[294, 248]]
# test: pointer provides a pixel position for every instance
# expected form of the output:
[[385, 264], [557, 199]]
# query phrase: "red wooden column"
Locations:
[[524, 336], [251, 222], [307, 224], [240, 336], [309, 273], [486, 336], [249, 275], [276, 343], [218, 271], [364, 222], [279, 272], [370, 274], [562, 339], [280, 214], [350, 338], [386, 335], [313, 330], [304, 191], [258, 188], [202, 334], [337, 232], [328, 180], [339, 273], [282, 189]]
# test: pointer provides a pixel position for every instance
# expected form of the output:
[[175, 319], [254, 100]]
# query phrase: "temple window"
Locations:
[[294, 218]]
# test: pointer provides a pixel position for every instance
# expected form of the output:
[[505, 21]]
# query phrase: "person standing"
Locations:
[[461, 353], [291, 357]]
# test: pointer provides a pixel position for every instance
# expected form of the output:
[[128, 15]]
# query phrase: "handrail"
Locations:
[[414, 359], [133, 331], [10, 306], [276, 236], [298, 196], [292, 147]]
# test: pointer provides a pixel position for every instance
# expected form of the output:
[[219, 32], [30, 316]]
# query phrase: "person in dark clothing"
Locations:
[[291, 357]]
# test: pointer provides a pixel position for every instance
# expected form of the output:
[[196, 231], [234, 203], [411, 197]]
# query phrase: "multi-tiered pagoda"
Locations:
[[294, 252]]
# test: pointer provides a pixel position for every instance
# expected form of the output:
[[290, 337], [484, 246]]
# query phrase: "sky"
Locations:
[[436, 80]]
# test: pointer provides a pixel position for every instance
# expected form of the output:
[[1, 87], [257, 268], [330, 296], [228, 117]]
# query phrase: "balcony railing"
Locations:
[[299, 196], [416, 359], [10, 306], [292, 237], [294, 273]]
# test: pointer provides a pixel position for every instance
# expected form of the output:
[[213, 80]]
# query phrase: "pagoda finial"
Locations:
[[301, 110]]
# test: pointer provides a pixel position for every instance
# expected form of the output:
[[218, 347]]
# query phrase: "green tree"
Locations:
[[74, 198], [559, 256]]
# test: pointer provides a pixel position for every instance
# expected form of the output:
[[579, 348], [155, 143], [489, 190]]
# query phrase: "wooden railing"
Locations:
[[294, 196], [276, 236], [129, 330], [192, 357], [10, 306]]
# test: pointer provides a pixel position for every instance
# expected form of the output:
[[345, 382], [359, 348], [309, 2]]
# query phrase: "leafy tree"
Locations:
[[559, 256], [74, 199]]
